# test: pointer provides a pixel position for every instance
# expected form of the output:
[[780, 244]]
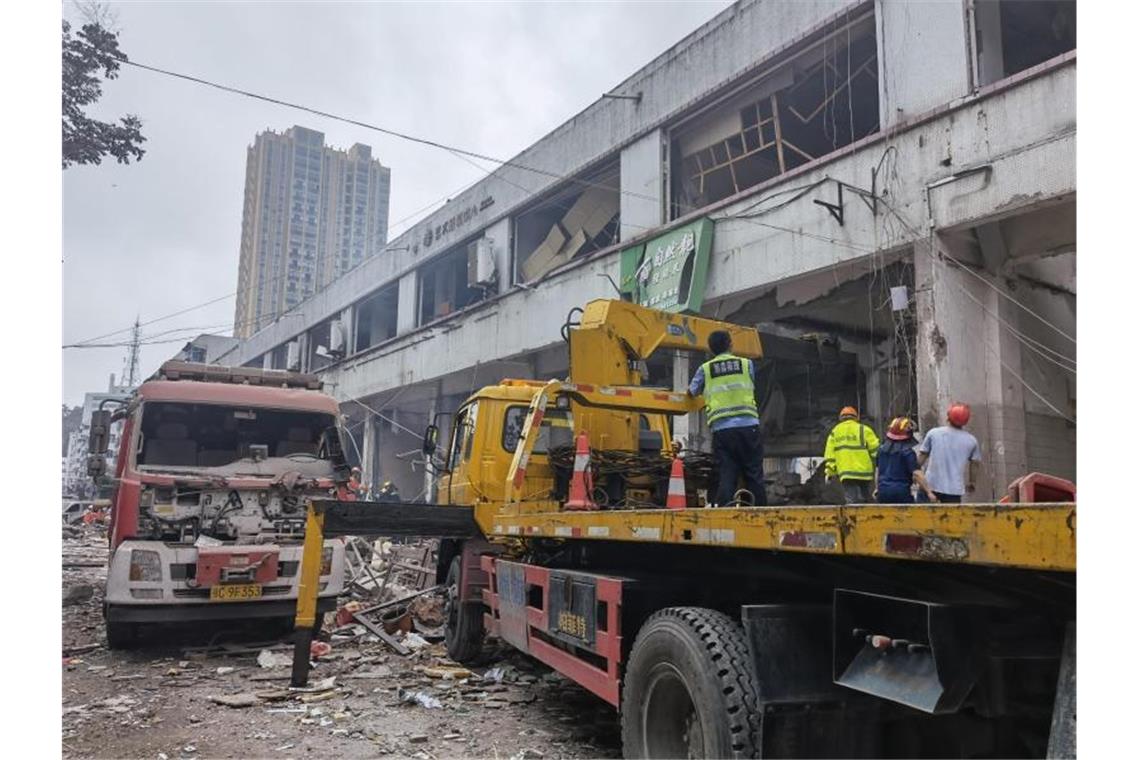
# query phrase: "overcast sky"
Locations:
[[161, 235]]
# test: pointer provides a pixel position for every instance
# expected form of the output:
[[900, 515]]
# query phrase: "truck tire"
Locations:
[[463, 629], [689, 688], [121, 635]]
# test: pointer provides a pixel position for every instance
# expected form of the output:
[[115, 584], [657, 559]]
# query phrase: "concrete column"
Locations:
[[924, 56], [965, 354], [407, 304], [429, 477], [643, 185], [368, 453], [348, 324], [684, 425]]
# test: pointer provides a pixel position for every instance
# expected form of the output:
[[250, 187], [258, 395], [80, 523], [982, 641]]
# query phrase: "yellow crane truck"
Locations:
[[936, 630]]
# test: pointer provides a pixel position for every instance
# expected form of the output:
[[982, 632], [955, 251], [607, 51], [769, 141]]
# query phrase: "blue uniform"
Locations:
[[897, 465]]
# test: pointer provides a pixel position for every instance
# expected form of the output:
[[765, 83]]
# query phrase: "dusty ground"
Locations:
[[155, 702]]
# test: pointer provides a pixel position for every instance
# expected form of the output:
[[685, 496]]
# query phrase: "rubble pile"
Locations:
[[212, 693]]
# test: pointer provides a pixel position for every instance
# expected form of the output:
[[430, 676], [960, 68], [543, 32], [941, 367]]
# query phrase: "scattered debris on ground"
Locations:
[[217, 692]]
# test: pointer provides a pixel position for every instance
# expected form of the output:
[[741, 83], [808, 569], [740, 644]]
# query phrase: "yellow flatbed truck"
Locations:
[[793, 631]]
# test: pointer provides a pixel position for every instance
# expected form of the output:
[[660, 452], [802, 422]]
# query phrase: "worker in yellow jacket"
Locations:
[[850, 456]]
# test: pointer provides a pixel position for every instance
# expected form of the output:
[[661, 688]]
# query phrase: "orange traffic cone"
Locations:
[[676, 498], [581, 481]]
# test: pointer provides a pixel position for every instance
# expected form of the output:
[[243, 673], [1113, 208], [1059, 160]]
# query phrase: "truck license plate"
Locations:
[[235, 593]]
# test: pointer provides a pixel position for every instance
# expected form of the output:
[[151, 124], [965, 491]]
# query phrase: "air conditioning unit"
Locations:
[[481, 263], [293, 356]]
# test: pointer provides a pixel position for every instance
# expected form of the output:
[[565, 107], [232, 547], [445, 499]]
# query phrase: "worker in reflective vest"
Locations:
[[728, 384], [850, 456]]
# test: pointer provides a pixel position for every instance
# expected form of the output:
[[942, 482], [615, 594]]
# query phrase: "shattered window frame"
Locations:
[[578, 217], [798, 110]]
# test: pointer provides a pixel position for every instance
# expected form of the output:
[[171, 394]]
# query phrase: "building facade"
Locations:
[[311, 213], [886, 189]]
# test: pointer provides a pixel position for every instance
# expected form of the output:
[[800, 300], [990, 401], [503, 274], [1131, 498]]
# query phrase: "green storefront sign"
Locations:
[[668, 272]]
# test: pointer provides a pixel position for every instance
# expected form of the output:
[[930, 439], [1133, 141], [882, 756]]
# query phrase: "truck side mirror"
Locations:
[[431, 440], [97, 442]]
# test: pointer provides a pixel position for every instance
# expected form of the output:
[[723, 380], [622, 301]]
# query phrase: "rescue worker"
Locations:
[[728, 384], [947, 453], [850, 456], [389, 492], [898, 465], [350, 491]]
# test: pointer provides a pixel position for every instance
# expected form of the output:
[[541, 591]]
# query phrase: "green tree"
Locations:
[[89, 56]]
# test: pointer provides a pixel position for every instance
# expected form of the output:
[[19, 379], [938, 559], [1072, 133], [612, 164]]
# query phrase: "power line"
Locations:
[[376, 128], [962, 265]]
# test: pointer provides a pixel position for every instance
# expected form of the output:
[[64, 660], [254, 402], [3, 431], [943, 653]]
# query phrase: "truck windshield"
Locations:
[[207, 435]]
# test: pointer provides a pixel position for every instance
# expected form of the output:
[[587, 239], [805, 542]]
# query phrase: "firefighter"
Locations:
[[728, 384], [898, 465], [850, 456], [388, 492]]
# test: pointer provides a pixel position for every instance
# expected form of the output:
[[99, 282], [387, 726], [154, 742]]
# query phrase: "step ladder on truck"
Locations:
[[844, 631]]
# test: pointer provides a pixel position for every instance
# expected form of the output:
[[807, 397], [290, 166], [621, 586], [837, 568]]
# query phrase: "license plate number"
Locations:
[[235, 593]]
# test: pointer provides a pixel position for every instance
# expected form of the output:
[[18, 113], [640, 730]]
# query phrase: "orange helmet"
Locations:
[[848, 411], [958, 415], [901, 429]]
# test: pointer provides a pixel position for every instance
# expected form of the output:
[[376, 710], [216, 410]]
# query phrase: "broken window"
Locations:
[[376, 317], [824, 98], [1012, 35], [443, 285], [577, 219], [206, 435]]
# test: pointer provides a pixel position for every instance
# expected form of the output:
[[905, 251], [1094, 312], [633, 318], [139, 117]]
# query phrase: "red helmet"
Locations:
[[901, 429], [959, 414]]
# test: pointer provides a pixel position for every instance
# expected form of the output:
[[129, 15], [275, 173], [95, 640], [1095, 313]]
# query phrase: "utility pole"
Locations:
[[132, 362]]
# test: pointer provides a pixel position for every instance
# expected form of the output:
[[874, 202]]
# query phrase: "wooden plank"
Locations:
[[779, 134], [382, 634]]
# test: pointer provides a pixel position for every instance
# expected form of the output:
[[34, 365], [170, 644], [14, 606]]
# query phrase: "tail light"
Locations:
[[145, 566], [326, 560]]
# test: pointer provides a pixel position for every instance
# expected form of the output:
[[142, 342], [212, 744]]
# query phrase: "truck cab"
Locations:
[[486, 429], [215, 470]]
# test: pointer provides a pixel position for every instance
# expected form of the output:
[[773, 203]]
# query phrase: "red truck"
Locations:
[[215, 469]]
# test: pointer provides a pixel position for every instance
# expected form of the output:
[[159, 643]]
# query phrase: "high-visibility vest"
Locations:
[[851, 450], [729, 390]]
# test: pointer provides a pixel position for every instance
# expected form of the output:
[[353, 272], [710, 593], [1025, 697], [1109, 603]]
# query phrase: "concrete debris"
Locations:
[[362, 698], [78, 594], [418, 739], [269, 659], [414, 641], [236, 700], [325, 684], [420, 698], [447, 672], [428, 610]]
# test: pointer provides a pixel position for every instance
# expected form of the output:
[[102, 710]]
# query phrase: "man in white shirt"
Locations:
[[947, 453]]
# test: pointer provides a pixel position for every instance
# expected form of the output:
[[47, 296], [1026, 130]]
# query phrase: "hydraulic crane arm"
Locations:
[[614, 335]]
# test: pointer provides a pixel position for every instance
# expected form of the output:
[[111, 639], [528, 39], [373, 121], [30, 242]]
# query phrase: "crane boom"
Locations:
[[614, 335]]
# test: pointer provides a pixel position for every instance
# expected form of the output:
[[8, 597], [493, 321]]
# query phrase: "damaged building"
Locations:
[[886, 190]]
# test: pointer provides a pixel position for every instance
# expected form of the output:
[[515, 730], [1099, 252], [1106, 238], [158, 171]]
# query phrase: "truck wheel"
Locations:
[[121, 635], [689, 688], [463, 631]]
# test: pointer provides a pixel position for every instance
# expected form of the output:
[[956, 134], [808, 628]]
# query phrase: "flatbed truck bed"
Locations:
[[895, 626]]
